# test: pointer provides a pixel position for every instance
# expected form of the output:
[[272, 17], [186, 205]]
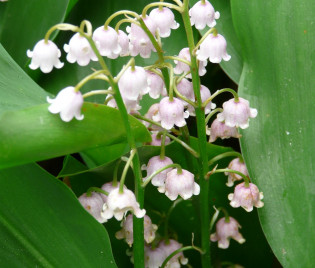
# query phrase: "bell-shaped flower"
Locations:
[[133, 83], [221, 130], [171, 112], [68, 103], [156, 85], [185, 88], [79, 50], [119, 203], [237, 114], [108, 187], [127, 230], [203, 14], [182, 67], [108, 42], [132, 106], [93, 204], [237, 165], [225, 230], [154, 257], [204, 94], [123, 41], [45, 56], [164, 20], [140, 42], [214, 48], [155, 163], [182, 184], [157, 139], [169, 248], [246, 197], [152, 112]]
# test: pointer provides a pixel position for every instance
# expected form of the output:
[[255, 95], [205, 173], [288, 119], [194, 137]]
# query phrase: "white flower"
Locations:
[[154, 257], [123, 42], [221, 130], [108, 187], [155, 163], [214, 48], [133, 83], [246, 197], [225, 231], [93, 204], [202, 15], [237, 114], [164, 20], [204, 95], [185, 87], [156, 85], [182, 184], [127, 230], [183, 67], [45, 56], [132, 106], [108, 42], [152, 112], [169, 248], [139, 41], [171, 113], [68, 103], [157, 141], [237, 165], [119, 203], [79, 50]]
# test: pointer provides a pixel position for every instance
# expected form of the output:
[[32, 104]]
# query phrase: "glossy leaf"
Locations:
[[46, 226], [277, 39], [34, 134]]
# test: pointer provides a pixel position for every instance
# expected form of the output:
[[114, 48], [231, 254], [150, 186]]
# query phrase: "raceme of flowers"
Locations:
[[175, 102]]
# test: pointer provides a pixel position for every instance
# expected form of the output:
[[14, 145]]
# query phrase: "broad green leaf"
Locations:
[[44, 225], [277, 39], [34, 134], [17, 90], [25, 24]]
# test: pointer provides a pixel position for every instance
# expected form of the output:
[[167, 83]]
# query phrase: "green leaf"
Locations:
[[34, 134], [45, 225], [277, 40], [24, 25]]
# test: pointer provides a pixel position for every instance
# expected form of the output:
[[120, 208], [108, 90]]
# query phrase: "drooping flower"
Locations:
[[169, 248], [237, 165], [108, 42], [182, 184], [152, 112], [123, 42], [132, 106], [157, 140], [68, 103], [246, 197], [171, 112], [155, 163], [133, 83], [182, 67], [237, 114], [154, 257], [202, 15], [225, 231], [214, 48], [45, 56], [119, 203], [140, 43], [93, 204], [204, 95], [221, 130], [156, 85], [79, 50], [108, 187], [185, 87], [127, 230], [164, 20]]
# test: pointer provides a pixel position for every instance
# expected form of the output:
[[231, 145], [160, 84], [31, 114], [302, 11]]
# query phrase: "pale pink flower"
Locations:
[[156, 85], [169, 248], [93, 204], [182, 184], [204, 94], [237, 165], [157, 141], [164, 20], [132, 106], [225, 231], [221, 130], [119, 203], [154, 258], [45, 56], [152, 112], [68, 103], [123, 42], [246, 197], [237, 114], [214, 48], [79, 50], [108, 187], [202, 15], [185, 88], [155, 163], [127, 230]]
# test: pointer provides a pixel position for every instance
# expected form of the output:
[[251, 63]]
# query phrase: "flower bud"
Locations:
[[237, 165], [93, 204]]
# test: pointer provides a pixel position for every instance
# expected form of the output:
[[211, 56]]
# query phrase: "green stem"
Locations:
[[118, 13], [95, 189], [185, 145], [203, 38], [213, 112], [124, 173], [158, 4], [202, 144], [61, 27], [246, 179], [219, 92], [162, 153], [224, 155], [183, 97], [178, 59], [97, 92], [181, 250], [168, 217]]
